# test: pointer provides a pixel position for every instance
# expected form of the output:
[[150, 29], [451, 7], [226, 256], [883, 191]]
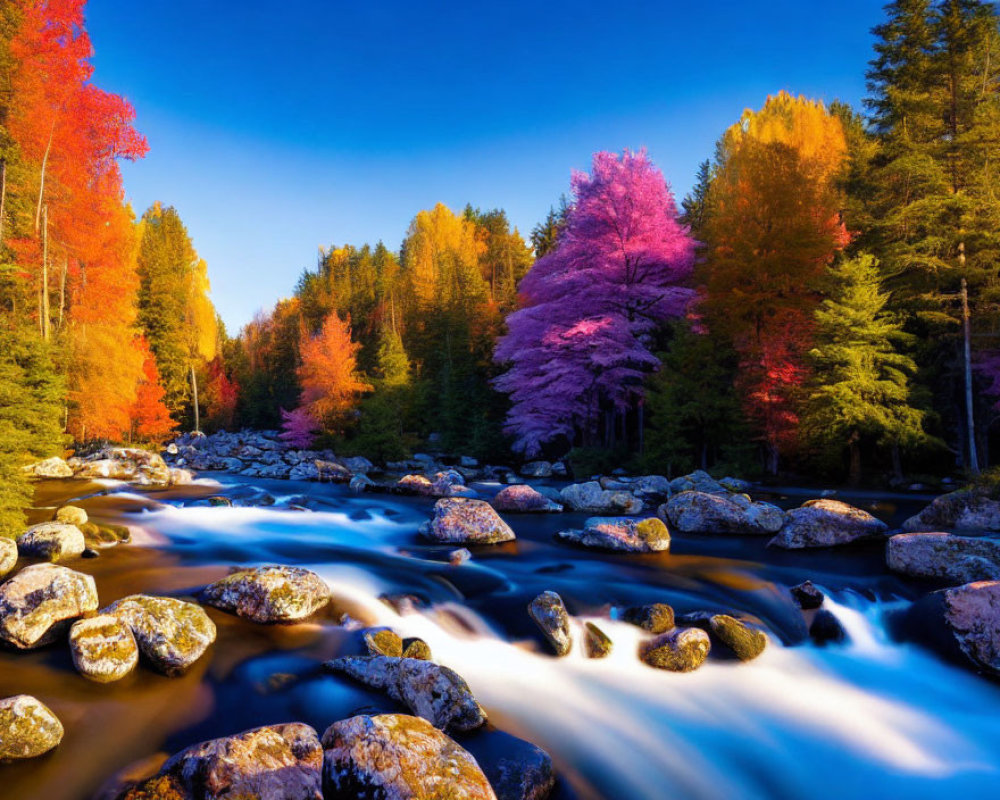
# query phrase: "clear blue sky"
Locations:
[[277, 127]]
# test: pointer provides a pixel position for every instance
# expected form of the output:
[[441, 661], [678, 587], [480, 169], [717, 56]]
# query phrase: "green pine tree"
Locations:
[[863, 388], [31, 408]]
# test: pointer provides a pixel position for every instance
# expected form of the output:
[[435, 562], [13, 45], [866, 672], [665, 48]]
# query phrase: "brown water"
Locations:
[[871, 718]]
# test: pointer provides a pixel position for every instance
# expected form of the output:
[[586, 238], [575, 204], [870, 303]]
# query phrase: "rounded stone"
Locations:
[[172, 634], [28, 728], [103, 648], [8, 555], [466, 521], [398, 756], [678, 650], [72, 515], [550, 615], [270, 594], [52, 541], [40, 597]]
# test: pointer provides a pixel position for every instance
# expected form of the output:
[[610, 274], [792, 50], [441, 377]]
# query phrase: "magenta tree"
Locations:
[[578, 349]]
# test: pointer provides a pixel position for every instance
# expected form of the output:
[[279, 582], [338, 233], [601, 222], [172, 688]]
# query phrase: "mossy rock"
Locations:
[[416, 648], [384, 643], [28, 728], [679, 650], [746, 642], [597, 643], [656, 617]]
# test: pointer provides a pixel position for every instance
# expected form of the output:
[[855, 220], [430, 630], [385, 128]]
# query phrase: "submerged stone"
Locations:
[[826, 627], [807, 596]]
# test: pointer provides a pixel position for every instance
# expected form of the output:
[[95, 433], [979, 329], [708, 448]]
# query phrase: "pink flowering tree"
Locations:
[[298, 428], [579, 346]]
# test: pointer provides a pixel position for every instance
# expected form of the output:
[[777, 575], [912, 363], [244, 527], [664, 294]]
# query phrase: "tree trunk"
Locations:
[[771, 458], [642, 429], [969, 413], [45, 273], [897, 462], [854, 473], [41, 182], [194, 395], [62, 292], [3, 195]]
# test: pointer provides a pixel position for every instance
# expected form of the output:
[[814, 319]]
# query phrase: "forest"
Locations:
[[824, 303]]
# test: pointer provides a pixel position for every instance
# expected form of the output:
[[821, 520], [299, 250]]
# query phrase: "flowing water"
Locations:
[[871, 718]]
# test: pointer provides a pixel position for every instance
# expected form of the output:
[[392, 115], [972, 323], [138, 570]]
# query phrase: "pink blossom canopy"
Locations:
[[582, 338]]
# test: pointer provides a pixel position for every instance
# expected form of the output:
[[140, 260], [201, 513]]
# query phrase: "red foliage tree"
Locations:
[[151, 420]]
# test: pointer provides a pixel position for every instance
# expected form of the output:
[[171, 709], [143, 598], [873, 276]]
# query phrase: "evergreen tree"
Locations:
[[31, 409], [695, 207], [862, 387], [545, 235]]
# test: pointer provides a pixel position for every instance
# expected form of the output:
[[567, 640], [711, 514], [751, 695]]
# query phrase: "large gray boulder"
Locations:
[[398, 757], [462, 520], [436, 693], [593, 499], [704, 512], [964, 510], [625, 534], [276, 762], [525, 499], [172, 634], [52, 541], [103, 648], [965, 620], [269, 594], [28, 728], [38, 600], [827, 523], [944, 556]]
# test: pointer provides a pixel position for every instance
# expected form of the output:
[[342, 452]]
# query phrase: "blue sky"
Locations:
[[278, 127]]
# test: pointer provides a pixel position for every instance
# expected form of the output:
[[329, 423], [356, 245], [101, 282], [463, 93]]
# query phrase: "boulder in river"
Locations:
[[415, 484], [596, 642], [807, 596], [655, 617], [945, 556], [704, 512], [8, 555], [963, 621], [28, 728], [36, 602], [593, 499], [276, 762], [742, 640], [826, 627], [384, 642], [103, 648], [626, 534], [398, 757], [523, 498], [965, 510], [697, 481], [429, 690], [52, 541], [71, 515], [466, 521], [269, 594], [677, 650], [826, 523], [516, 769], [172, 634], [549, 613], [53, 467]]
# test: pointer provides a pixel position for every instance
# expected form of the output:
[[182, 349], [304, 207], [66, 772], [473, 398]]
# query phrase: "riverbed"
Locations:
[[872, 717]]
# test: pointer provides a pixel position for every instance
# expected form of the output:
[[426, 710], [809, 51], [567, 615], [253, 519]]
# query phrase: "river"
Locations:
[[870, 718]]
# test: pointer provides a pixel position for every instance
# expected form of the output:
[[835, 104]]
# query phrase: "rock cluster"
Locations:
[[627, 534]]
